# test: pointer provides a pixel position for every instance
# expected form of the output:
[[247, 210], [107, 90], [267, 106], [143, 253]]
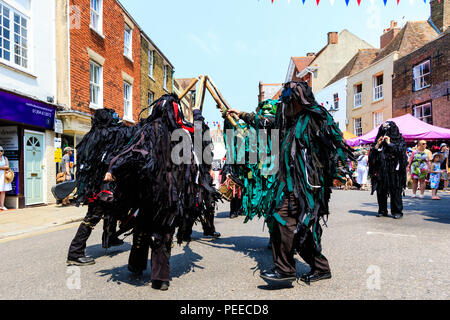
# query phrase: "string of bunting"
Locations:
[[358, 1]]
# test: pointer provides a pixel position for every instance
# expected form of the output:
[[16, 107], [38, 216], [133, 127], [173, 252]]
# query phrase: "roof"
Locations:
[[302, 62], [413, 35], [360, 60], [183, 83]]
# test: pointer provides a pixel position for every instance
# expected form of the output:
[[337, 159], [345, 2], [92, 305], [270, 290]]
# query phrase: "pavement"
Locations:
[[371, 258], [30, 221]]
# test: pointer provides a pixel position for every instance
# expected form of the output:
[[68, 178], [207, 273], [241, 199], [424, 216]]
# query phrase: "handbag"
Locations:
[[9, 175], [61, 177]]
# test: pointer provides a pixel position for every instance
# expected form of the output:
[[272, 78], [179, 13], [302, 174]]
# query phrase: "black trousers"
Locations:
[[284, 247], [93, 216], [159, 240], [396, 201], [235, 206]]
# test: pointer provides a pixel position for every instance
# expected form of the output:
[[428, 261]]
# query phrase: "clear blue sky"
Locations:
[[241, 42]]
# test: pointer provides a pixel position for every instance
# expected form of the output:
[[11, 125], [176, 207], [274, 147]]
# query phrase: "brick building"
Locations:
[[422, 77], [422, 83], [101, 69], [156, 72]]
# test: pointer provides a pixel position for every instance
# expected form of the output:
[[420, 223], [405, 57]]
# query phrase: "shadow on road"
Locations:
[[431, 210], [98, 251], [254, 248], [121, 275]]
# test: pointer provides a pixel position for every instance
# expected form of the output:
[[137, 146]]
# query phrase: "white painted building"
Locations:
[[334, 98], [27, 95]]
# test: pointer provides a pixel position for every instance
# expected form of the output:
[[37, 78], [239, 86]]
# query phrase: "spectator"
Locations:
[[363, 169], [435, 175], [65, 169], [419, 165], [444, 165], [4, 187]]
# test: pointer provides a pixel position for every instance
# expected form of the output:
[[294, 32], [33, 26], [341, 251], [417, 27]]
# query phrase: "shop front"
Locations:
[[28, 137]]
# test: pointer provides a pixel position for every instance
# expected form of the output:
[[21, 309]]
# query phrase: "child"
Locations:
[[435, 175]]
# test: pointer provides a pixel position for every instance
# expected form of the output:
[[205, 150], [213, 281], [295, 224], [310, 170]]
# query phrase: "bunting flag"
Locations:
[[332, 2], [317, 2], [346, 2], [398, 1], [304, 1], [359, 2], [386, 1]]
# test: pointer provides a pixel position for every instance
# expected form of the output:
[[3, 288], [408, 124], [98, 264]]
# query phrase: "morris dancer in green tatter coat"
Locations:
[[311, 146]]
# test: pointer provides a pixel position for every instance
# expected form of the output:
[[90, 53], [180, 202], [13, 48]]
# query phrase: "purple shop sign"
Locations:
[[20, 109]]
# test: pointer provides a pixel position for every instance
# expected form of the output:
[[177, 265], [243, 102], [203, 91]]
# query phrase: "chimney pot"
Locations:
[[333, 37]]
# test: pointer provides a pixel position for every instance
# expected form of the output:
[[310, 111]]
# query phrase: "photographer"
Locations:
[[387, 169]]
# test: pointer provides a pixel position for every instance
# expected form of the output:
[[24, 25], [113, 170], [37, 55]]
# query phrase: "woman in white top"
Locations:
[[363, 169], [4, 165]]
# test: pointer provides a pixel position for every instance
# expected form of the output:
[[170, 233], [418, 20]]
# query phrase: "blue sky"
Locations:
[[241, 42]]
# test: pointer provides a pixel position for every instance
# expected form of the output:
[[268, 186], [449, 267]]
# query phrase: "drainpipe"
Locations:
[[432, 24]]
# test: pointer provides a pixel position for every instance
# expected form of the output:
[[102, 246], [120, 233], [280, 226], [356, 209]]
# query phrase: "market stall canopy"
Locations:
[[410, 127], [348, 135]]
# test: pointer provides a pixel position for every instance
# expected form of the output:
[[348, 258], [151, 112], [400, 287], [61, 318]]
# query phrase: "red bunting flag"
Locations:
[[398, 1], [359, 2], [317, 2]]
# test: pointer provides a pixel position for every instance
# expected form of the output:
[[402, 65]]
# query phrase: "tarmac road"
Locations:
[[370, 257]]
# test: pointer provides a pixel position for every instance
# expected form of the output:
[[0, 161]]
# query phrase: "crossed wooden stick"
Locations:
[[207, 83]]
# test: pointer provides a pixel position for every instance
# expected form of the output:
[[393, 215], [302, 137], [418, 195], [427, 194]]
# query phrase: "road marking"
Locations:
[[391, 234], [34, 234]]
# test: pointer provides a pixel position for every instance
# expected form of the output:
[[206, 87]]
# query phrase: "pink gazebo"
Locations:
[[410, 127]]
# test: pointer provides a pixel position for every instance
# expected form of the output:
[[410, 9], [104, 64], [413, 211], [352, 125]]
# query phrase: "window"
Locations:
[[127, 41], [151, 98], [96, 85], [422, 75], [151, 56], [127, 101], [13, 37], [378, 87], [165, 76], [377, 119], [336, 101], [358, 126], [357, 102], [96, 15], [424, 113]]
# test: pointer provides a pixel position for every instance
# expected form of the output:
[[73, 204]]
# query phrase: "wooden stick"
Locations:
[[225, 103], [193, 83], [198, 97], [220, 104], [203, 94]]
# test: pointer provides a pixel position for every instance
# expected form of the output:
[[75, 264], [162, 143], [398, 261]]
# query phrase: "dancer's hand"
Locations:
[[233, 112], [108, 177], [387, 139]]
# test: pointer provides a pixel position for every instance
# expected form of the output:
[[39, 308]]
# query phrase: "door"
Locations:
[[34, 183]]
